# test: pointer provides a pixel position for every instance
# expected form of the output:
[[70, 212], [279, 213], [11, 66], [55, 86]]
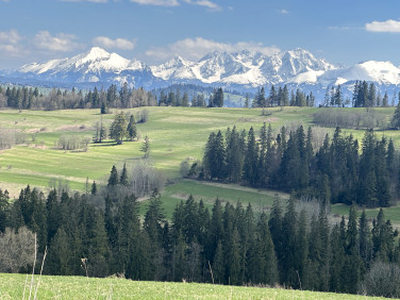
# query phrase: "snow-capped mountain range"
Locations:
[[241, 70]]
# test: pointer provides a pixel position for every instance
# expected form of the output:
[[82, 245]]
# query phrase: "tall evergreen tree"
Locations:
[[118, 128], [250, 167], [113, 179], [131, 129], [124, 176]]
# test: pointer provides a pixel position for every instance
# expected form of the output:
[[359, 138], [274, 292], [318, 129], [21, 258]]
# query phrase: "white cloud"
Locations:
[[205, 3], [284, 11], [61, 42], [386, 26], [338, 28], [10, 43], [118, 43], [10, 37], [194, 49], [157, 2]]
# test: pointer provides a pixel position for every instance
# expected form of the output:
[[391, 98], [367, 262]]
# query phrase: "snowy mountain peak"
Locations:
[[96, 53], [241, 69]]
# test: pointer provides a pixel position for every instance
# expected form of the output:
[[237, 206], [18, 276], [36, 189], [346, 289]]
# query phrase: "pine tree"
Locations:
[[337, 260], [59, 255], [250, 167], [289, 258], [275, 226], [4, 208], [98, 253], [53, 215], [266, 266], [215, 156], [215, 231], [124, 176], [127, 236], [118, 128], [365, 240], [234, 157], [93, 190], [219, 264], [396, 117], [131, 129], [247, 101], [113, 179], [145, 148]]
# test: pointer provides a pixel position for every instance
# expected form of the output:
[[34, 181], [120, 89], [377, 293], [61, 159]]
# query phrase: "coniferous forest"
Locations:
[[231, 244], [337, 172], [106, 231]]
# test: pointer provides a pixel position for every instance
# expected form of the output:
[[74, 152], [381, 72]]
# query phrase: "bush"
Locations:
[[10, 137], [72, 142], [145, 179], [184, 168], [142, 116], [17, 250], [383, 279], [345, 118]]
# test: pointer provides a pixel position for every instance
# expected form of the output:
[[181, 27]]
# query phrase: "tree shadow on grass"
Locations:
[[105, 144]]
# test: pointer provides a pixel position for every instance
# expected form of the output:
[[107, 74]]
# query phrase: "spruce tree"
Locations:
[[250, 167], [131, 129], [113, 179], [218, 267], [289, 259], [396, 117], [118, 128], [4, 207], [124, 176], [234, 157], [266, 268], [365, 242], [59, 255]]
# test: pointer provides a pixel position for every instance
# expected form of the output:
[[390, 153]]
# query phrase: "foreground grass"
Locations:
[[66, 287]]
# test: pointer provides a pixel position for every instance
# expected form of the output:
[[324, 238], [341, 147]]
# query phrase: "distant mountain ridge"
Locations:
[[240, 70]]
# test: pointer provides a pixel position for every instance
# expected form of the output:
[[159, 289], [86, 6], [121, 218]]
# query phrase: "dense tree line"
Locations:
[[364, 95], [336, 172], [282, 97], [31, 98], [227, 245]]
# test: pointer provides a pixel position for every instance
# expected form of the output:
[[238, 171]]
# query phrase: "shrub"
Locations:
[[383, 279], [17, 250]]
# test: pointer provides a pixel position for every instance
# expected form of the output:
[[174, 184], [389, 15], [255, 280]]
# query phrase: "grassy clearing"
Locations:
[[67, 287], [260, 200], [176, 133]]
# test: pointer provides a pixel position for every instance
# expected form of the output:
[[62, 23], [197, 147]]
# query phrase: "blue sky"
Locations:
[[156, 30]]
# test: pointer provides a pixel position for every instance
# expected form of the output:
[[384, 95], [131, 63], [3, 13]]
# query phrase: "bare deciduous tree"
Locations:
[[383, 279], [17, 250], [145, 178]]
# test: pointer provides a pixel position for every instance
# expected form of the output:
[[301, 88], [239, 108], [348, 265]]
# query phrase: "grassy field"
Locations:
[[175, 133], [15, 286], [260, 200]]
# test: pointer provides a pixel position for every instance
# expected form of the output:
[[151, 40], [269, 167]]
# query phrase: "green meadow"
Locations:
[[18, 286], [175, 133]]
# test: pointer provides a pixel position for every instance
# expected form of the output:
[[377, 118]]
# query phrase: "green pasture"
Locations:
[[18, 286], [260, 200], [176, 134]]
